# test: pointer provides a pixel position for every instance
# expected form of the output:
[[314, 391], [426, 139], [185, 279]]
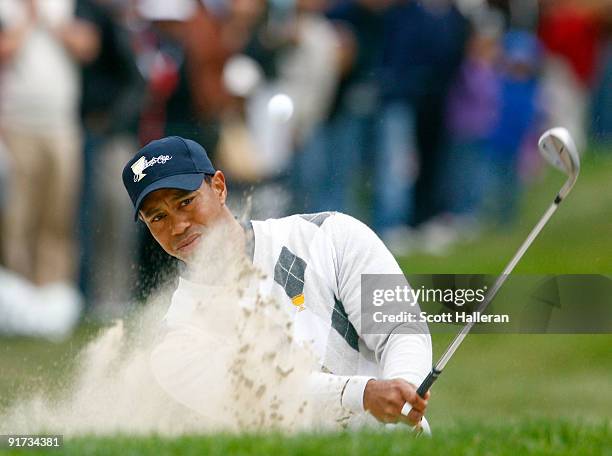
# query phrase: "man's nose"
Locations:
[[180, 224]]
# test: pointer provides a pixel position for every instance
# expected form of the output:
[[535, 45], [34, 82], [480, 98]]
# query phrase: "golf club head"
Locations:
[[558, 148]]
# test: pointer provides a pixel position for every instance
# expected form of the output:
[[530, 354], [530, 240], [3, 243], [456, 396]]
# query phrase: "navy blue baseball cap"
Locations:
[[171, 162]]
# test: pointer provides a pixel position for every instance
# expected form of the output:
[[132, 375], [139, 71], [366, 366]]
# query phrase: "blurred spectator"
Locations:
[[472, 111], [403, 76], [111, 103], [444, 33], [519, 114], [42, 44], [570, 31], [602, 97], [190, 38], [423, 45], [335, 166], [310, 71]]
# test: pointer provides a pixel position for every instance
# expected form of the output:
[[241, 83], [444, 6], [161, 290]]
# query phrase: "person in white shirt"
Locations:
[[314, 265], [42, 45]]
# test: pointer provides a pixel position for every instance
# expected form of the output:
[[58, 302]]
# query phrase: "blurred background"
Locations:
[[420, 118]]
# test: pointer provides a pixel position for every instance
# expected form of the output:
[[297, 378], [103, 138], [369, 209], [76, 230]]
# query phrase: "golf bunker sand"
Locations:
[[230, 366]]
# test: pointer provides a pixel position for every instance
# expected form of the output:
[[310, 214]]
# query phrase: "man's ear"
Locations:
[[217, 183]]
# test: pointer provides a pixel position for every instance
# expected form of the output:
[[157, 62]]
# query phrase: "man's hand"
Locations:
[[384, 399]]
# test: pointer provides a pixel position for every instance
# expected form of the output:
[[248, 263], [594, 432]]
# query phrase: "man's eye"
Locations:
[[157, 218], [186, 201]]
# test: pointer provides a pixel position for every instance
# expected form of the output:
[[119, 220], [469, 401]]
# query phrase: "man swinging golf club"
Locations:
[[313, 264]]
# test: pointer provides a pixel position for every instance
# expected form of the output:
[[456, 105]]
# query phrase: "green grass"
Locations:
[[511, 438], [576, 240], [501, 394], [29, 365]]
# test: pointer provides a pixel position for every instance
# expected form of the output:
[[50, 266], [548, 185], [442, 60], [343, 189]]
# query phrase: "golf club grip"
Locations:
[[429, 380]]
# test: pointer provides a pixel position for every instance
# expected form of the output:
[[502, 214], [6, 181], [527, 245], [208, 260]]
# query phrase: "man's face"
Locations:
[[178, 219]]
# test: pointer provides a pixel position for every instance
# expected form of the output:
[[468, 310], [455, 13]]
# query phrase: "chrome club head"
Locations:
[[558, 148]]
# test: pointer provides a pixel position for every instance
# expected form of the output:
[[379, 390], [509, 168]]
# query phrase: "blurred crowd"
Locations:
[[420, 117]]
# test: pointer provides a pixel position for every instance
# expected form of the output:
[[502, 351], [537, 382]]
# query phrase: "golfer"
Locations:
[[313, 264]]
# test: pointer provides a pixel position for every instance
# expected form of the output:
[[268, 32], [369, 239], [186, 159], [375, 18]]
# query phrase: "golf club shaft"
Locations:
[[439, 366]]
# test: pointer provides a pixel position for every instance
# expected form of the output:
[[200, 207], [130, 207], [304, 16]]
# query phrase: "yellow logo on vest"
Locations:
[[298, 301]]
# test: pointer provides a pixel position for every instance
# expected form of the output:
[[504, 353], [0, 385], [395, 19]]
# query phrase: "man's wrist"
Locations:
[[353, 393]]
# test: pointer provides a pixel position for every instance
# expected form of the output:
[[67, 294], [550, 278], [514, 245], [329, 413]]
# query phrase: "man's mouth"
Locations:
[[188, 244]]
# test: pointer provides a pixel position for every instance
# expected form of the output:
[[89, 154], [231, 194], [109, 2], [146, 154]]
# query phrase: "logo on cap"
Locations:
[[142, 164]]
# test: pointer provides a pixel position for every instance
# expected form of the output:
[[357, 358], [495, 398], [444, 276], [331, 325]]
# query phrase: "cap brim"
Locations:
[[189, 182]]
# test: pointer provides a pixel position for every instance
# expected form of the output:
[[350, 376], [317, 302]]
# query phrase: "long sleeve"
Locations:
[[359, 251], [339, 395]]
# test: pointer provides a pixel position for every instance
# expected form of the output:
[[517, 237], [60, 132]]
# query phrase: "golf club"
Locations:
[[559, 149]]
